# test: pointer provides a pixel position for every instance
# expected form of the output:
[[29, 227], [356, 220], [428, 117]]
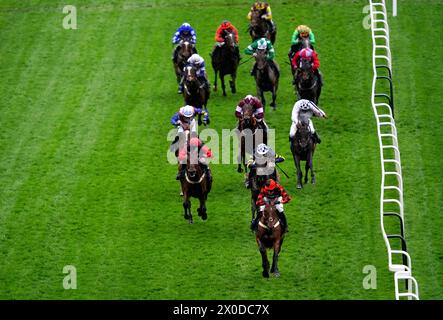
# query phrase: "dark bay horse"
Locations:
[[266, 78], [302, 148], [307, 84], [184, 53], [194, 92], [260, 29], [195, 184], [269, 235], [225, 61], [249, 137]]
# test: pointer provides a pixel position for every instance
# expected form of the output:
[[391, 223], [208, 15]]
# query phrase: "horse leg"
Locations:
[[264, 258], [253, 206], [274, 97], [202, 210], [274, 268], [241, 156], [232, 82], [215, 80], [311, 166], [299, 173], [222, 78]]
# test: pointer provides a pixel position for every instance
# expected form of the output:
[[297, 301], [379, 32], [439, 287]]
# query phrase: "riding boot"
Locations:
[[181, 173], [248, 180], [254, 223], [282, 217], [316, 138]]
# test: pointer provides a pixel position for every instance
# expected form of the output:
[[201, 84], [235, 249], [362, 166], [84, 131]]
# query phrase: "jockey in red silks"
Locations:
[[257, 111], [307, 54], [203, 153], [220, 34], [272, 190]]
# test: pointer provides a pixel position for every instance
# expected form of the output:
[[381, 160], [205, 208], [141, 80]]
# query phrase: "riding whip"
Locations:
[[282, 171]]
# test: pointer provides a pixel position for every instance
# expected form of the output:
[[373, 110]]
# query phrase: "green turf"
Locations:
[[84, 178]]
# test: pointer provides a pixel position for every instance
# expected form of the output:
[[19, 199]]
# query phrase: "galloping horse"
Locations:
[[302, 148], [226, 62], [184, 53], [249, 137], [266, 78], [259, 28], [306, 83], [269, 235], [195, 185], [194, 92]]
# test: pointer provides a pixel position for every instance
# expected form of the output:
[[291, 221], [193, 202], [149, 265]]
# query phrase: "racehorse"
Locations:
[[269, 234], [194, 92], [184, 53], [266, 77], [195, 184], [225, 60], [259, 28], [302, 148], [304, 43], [307, 84], [249, 137]]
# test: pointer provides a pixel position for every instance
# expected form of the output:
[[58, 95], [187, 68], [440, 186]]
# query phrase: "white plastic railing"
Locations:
[[391, 197]]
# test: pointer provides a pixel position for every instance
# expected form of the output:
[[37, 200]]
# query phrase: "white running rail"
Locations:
[[391, 198]]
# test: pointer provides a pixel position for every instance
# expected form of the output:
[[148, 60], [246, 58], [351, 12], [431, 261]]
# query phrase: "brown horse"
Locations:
[[249, 137], [185, 51], [269, 235], [266, 77], [194, 92], [307, 84], [302, 148], [195, 184], [225, 61], [260, 29]]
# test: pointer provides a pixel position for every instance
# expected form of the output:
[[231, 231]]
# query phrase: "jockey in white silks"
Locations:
[[302, 111]]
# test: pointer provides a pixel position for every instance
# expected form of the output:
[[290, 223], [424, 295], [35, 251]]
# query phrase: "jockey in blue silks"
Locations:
[[185, 31]]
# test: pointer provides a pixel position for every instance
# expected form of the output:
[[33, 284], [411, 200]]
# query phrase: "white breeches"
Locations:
[[279, 206], [294, 128], [193, 127]]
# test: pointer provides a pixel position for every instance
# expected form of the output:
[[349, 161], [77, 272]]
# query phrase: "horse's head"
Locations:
[[270, 216], [260, 59], [303, 135], [248, 120], [306, 72], [186, 47], [190, 73], [258, 25], [193, 169], [306, 42], [229, 39]]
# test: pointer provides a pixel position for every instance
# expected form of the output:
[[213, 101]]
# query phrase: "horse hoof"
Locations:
[[191, 221], [239, 170], [299, 186], [186, 217], [224, 94], [313, 181], [215, 89], [265, 274], [204, 216], [277, 274], [181, 193]]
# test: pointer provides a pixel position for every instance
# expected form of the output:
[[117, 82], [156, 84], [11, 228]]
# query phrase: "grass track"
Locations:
[[84, 179]]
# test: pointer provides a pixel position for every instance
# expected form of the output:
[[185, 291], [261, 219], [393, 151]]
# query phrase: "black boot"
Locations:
[[254, 223], [316, 138], [181, 173], [282, 217]]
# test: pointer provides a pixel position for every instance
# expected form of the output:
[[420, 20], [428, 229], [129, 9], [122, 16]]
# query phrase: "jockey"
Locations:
[[257, 108], [204, 153], [303, 110], [263, 163], [272, 190], [262, 44], [265, 13], [183, 32], [300, 33], [310, 55], [199, 64], [226, 26]]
